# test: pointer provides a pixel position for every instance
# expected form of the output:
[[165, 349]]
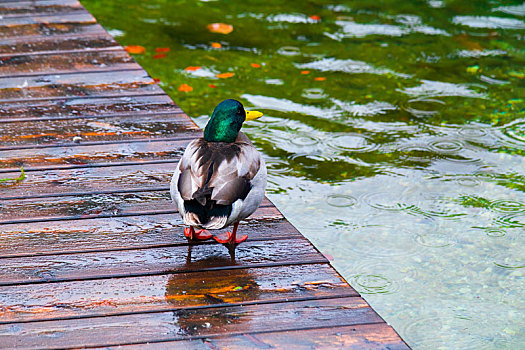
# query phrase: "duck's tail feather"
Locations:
[[211, 216]]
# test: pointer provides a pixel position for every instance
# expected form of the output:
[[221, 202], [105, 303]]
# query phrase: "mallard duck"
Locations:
[[221, 177]]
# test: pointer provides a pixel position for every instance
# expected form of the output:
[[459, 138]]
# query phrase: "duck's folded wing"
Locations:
[[220, 172], [231, 179]]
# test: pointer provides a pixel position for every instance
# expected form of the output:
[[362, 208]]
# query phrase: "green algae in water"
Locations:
[[393, 134]]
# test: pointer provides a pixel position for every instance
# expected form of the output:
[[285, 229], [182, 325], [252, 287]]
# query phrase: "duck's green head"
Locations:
[[226, 121]]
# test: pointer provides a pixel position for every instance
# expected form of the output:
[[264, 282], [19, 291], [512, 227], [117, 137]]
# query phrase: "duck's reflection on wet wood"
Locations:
[[171, 291], [92, 251]]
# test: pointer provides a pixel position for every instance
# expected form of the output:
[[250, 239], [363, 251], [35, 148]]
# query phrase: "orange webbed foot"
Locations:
[[229, 238], [199, 235]]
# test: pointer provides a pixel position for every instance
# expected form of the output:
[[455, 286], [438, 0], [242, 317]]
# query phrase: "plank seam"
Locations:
[[95, 143], [73, 97], [88, 165], [349, 324], [66, 72], [50, 52], [176, 110], [71, 11]]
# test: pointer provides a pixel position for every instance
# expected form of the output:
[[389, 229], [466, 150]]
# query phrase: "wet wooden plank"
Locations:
[[70, 132], [50, 44], [35, 8], [190, 323], [86, 206], [75, 62], [73, 23], [85, 84], [95, 180], [154, 261], [123, 233], [79, 107], [169, 291], [35, 37], [379, 336], [169, 150]]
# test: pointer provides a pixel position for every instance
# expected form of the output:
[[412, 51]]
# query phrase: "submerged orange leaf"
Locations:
[[221, 28], [185, 88], [255, 65], [159, 55], [136, 49], [216, 45], [162, 49], [225, 75], [305, 72], [320, 78], [192, 68]]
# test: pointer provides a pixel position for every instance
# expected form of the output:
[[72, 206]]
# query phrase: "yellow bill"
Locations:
[[252, 115]]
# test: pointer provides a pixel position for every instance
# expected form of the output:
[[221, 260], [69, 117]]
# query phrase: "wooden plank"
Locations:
[[138, 152], [79, 107], [90, 84], [140, 177], [50, 44], [154, 261], [192, 323], [66, 132], [169, 292], [46, 25], [33, 35], [123, 233], [379, 336], [86, 206], [33, 8], [96, 61]]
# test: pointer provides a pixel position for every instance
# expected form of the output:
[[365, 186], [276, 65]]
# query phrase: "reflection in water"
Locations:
[[393, 136], [211, 288]]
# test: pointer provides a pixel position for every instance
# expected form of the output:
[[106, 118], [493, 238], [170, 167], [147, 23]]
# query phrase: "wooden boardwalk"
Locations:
[[92, 251]]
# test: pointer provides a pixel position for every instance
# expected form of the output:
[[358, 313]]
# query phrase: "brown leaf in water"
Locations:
[[192, 68], [185, 88], [225, 75], [136, 49], [221, 28]]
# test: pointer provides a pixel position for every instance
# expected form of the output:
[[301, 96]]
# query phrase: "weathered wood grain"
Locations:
[[140, 177], [36, 8], [87, 206], [46, 25], [95, 130], [85, 84], [50, 44], [79, 107], [190, 323], [379, 336], [96, 61], [123, 233], [169, 150], [169, 291], [153, 261]]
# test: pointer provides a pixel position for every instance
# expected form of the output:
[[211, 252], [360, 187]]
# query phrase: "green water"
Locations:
[[406, 163]]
